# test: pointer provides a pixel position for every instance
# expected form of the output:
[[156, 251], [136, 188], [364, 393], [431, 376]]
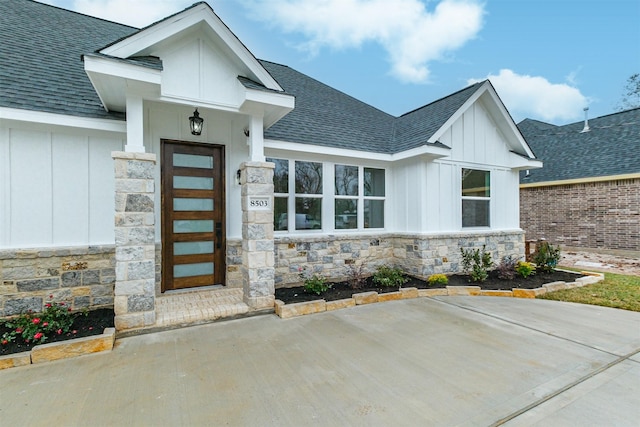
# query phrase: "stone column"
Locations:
[[257, 234], [134, 302]]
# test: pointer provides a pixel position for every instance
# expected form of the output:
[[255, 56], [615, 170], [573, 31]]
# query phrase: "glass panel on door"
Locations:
[[192, 248], [192, 204], [198, 269], [192, 226], [192, 183], [192, 161]]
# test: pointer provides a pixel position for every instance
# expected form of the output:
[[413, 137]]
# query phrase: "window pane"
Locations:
[[192, 204], [308, 213], [192, 248], [193, 182], [374, 214], [280, 175], [308, 178], [475, 213], [475, 183], [280, 219], [192, 161], [192, 226], [187, 270], [346, 214], [374, 182], [346, 180]]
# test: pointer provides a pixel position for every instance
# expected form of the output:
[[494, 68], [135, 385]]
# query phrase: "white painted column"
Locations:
[[135, 125], [256, 139]]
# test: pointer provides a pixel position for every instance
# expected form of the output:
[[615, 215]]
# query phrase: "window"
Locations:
[[346, 201], [357, 202], [476, 193], [374, 194], [281, 194]]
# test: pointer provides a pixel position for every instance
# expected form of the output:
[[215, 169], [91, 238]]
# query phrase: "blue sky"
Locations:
[[548, 59]]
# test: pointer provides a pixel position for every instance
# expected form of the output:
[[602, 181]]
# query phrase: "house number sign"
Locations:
[[257, 203]]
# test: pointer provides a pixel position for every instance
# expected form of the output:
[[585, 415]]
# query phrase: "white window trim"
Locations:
[[488, 199]]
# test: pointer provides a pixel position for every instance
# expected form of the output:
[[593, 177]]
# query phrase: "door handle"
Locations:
[[218, 235]]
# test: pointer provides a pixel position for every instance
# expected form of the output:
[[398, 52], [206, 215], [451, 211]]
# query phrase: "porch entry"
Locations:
[[193, 215]]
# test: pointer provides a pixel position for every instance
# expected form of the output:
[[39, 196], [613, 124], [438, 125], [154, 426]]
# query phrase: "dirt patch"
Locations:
[[344, 290], [602, 262]]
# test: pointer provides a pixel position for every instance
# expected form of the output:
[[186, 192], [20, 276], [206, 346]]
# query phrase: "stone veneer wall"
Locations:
[[81, 276], [603, 215], [418, 255]]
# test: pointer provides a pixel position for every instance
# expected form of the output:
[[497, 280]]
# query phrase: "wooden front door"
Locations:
[[193, 220]]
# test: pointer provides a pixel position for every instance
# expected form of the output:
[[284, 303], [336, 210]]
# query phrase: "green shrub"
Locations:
[[314, 282], [388, 276], [476, 263], [438, 279], [525, 269], [546, 256]]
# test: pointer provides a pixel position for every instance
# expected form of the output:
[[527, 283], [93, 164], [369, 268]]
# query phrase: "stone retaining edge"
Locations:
[[61, 350], [286, 311]]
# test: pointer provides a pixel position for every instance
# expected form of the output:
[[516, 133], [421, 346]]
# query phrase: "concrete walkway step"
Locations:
[[199, 306]]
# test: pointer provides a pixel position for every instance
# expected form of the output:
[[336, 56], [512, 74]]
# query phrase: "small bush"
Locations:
[[507, 268], [476, 263], [356, 275], [525, 269], [314, 282], [438, 279], [546, 256], [34, 327], [388, 276]]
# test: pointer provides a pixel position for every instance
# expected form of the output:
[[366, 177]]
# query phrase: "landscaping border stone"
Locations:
[[61, 350], [302, 308]]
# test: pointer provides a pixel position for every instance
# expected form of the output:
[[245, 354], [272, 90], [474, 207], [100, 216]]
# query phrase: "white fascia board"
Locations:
[[193, 102], [282, 100], [113, 67], [432, 152], [518, 162], [156, 33], [63, 120]]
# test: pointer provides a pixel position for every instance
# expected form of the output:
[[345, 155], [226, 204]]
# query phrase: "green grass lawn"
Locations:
[[616, 290]]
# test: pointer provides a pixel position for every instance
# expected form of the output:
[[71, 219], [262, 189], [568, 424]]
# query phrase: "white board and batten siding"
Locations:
[[429, 193], [57, 187]]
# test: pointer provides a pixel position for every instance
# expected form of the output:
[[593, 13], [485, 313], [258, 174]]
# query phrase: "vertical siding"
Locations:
[[57, 188], [31, 188], [70, 164]]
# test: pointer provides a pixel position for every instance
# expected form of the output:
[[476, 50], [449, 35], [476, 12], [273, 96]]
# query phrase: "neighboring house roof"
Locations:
[[40, 58], [611, 147], [41, 70]]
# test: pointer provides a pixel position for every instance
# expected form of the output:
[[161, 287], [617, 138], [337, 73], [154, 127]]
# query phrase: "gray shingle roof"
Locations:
[[41, 70], [611, 147], [40, 58]]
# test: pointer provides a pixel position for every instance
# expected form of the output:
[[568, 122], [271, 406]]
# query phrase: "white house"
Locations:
[[285, 173]]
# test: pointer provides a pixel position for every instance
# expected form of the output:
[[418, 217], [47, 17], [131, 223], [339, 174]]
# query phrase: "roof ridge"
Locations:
[[82, 14], [443, 98]]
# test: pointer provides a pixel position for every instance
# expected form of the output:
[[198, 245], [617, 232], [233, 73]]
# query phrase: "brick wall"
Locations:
[[603, 215]]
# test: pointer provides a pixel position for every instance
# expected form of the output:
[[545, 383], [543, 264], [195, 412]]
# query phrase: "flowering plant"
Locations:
[[34, 327]]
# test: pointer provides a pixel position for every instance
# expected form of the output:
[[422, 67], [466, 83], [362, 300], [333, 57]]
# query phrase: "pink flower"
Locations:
[[35, 321], [74, 331], [45, 324], [37, 336], [61, 303], [48, 305], [59, 331], [5, 342], [19, 330], [91, 328]]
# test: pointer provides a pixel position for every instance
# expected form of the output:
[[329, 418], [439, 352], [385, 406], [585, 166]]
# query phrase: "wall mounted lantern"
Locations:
[[196, 122]]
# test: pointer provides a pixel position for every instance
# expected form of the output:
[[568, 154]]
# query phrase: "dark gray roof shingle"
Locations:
[[611, 147], [40, 58], [40, 69]]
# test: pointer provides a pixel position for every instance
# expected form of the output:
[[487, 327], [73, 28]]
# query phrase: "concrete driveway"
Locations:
[[447, 361]]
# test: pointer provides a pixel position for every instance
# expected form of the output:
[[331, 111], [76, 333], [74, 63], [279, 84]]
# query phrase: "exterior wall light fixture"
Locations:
[[196, 123]]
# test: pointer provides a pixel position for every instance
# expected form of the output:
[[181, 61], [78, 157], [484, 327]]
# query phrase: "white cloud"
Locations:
[[411, 35], [536, 97], [138, 13]]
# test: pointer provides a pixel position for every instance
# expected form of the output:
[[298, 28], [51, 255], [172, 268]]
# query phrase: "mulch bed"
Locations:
[[93, 323], [343, 290]]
